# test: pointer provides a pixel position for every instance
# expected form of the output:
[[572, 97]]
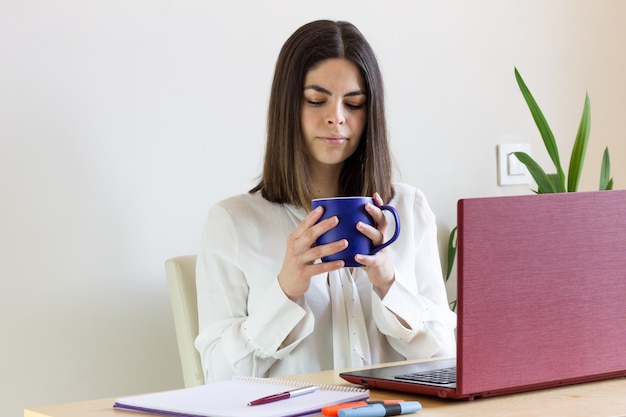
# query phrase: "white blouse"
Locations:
[[248, 326]]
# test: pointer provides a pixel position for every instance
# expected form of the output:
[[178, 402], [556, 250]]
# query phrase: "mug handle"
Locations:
[[396, 232]]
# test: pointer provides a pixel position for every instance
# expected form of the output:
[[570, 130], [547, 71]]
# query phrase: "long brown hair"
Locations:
[[285, 177]]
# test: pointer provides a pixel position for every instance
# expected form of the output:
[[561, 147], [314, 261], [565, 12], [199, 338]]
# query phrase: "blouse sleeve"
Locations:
[[418, 294], [231, 339]]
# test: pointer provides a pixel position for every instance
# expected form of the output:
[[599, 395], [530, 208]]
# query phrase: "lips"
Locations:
[[334, 140]]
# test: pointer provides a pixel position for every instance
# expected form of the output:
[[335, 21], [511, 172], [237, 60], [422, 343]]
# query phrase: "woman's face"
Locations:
[[333, 112]]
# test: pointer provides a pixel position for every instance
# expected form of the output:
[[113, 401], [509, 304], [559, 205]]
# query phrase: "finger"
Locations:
[[373, 209], [312, 228], [321, 251], [308, 221], [373, 262], [376, 213], [324, 267], [304, 249], [380, 221], [311, 235], [365, 260], [372, 233], [378, 199]]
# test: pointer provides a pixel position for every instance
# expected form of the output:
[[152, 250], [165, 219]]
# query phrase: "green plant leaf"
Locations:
[[451, 252], [554, 179], [580, 148], [605, 171], [544, 183], [544, 130]]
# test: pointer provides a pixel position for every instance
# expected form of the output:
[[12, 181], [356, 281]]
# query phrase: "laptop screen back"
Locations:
[[542, 290]]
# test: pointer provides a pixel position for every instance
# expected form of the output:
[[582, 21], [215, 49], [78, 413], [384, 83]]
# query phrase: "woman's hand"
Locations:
[[298, 265], [378, 267]]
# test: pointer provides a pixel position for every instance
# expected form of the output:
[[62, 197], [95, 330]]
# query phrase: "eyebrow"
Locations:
[[325, 91]]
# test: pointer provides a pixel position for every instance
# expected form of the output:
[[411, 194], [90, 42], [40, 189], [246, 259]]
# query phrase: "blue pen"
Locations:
[[381, 410]]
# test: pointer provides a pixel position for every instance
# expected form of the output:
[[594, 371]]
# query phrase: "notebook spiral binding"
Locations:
[[298, 384]]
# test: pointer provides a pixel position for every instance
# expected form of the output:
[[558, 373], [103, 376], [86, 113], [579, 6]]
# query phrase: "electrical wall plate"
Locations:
[[510, 170]]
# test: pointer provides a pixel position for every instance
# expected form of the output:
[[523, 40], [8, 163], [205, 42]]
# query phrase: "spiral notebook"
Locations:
[[229, 398]]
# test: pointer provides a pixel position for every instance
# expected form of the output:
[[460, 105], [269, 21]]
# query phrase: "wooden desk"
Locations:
[[598, 399]]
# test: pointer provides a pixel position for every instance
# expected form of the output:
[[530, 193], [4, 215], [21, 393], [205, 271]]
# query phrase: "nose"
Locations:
[[336, 115]]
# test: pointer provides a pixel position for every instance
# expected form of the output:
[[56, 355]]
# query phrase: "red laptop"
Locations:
[[541, 298]]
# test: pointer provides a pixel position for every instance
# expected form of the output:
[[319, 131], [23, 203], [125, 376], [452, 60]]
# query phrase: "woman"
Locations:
[[267, 305]]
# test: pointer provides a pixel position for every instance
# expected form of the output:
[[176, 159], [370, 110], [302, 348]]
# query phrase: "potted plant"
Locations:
[[554, 182]]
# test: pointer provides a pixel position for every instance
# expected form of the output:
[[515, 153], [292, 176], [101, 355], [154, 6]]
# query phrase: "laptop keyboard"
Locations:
[[436, 376]]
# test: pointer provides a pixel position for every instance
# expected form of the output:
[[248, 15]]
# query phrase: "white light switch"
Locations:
[[514, 166], [510, 169]]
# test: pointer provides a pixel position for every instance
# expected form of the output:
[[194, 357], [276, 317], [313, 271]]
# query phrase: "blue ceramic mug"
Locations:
[[350, 211]]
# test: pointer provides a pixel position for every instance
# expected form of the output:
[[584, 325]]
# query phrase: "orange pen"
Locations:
[[332, 410]]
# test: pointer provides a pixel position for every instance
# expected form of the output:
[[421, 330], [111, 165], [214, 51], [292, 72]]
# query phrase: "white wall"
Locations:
[[122, 121]]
